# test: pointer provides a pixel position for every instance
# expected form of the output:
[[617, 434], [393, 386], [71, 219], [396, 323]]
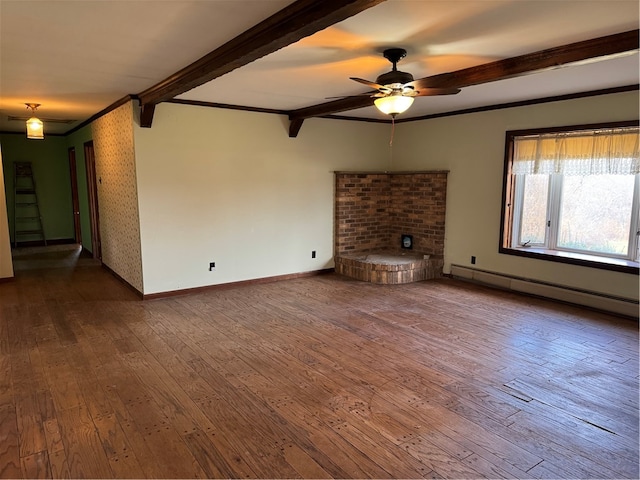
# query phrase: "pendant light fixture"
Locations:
[[35, 127]]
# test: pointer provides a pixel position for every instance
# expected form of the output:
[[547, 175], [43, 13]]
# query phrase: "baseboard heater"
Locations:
[[607, 303]]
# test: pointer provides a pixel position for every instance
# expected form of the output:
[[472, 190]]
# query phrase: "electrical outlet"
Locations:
[[212, 266], [313, 254], [473, 260]]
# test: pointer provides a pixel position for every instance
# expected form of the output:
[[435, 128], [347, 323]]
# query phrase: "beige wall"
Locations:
[[117, 194], [6, 263], [472, 148], [231, 187]]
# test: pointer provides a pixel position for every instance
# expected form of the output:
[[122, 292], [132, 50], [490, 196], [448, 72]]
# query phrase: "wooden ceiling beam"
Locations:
[[294, 22], [551, 58], [296, 117]]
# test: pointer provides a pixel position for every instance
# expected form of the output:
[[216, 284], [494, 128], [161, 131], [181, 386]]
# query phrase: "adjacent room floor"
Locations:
[[315, 377]]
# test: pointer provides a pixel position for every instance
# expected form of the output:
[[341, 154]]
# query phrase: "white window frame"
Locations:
[[556, 182]]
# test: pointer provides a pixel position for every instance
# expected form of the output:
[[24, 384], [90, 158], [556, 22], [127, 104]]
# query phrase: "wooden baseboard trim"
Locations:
[[620, 306], [40, 243], [221, 286], [127, 284]]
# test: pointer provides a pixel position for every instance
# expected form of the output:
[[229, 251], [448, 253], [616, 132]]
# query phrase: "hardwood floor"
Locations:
[[316, 377]]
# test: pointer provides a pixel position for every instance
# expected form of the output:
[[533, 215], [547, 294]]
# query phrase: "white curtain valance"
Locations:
[[587, 152]]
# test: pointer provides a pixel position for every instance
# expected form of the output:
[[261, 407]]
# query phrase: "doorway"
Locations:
[[74, 195], [92, 187]]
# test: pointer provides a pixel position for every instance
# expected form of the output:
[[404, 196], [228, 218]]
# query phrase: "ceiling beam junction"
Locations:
[[294, 22]]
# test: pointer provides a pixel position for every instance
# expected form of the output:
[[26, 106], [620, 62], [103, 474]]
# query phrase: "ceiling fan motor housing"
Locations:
[[395, 76]]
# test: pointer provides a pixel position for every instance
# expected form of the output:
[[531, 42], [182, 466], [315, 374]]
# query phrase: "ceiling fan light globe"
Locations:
[[393, 105], [35, 128]]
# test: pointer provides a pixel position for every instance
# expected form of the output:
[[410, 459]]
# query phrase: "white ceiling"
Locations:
[[78, 57]]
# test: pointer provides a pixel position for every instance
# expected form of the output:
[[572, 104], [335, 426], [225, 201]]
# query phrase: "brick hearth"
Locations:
[[372, 212]]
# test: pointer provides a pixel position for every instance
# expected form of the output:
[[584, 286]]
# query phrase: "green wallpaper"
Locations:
[[53, 183]]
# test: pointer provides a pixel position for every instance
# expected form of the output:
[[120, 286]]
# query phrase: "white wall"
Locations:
[[472, 147], [231, 187], [6, 262]]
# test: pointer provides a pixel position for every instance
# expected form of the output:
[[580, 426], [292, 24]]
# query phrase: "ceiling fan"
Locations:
[[396, 90]]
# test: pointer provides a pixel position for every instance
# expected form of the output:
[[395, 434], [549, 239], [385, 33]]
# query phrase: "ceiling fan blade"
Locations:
[[421, 83], [369, 84], [428, 92]]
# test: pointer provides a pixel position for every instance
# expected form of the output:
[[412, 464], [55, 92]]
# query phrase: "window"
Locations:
[[571, 194]]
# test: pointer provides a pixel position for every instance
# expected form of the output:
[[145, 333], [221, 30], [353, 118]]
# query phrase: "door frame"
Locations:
[[92, 188], [75, 200]]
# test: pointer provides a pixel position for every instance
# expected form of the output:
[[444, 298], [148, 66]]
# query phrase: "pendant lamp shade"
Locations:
[[393, 104], [35, 127]]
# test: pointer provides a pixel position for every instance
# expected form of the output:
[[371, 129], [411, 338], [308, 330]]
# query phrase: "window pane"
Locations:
[[595, 213], [534, 209]]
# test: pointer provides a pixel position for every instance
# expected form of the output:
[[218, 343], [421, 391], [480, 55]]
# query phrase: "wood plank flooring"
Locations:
[[309, 378]]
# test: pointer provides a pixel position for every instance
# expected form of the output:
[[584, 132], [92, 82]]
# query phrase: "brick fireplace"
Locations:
[[373, 210]]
